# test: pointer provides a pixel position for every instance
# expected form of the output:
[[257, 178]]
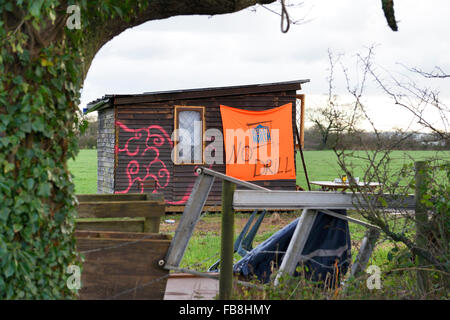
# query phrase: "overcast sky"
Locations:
[[248, 47]]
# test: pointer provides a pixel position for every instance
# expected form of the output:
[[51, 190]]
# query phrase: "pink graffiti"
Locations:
[[137, 172]]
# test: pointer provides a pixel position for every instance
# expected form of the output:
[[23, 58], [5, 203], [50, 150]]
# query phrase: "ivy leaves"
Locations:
[[38, 106], [42, 66]]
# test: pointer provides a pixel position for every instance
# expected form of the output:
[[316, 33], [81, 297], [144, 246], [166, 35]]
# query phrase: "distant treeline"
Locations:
[[315, 141]]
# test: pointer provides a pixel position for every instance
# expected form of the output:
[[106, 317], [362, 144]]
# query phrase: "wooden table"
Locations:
[[335, 186]]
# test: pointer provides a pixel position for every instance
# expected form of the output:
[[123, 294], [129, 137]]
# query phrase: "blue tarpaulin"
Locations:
[[327, 251]]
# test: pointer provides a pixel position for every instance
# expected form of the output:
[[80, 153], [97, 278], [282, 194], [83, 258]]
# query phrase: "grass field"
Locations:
[[321, 165], [84, 171]]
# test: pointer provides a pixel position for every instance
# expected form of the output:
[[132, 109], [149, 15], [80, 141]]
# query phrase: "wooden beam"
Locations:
[[111, 197], [207, 92], [114, 235], [119, 224], [118, 209], [302, 119], [120, 197]]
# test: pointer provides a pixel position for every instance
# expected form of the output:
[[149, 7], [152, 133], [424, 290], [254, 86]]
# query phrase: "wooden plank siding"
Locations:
[[135, 113], [137, 117]]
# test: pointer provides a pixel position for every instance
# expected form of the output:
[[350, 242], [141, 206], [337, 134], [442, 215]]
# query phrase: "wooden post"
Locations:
[[227, 238], [302, 120], [151, 225], [421, 217]]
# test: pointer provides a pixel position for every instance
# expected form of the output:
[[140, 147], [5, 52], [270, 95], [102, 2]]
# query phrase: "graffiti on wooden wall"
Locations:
[[142, 153]]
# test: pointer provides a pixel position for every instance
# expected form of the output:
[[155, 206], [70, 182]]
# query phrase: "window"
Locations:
[[189, 123]]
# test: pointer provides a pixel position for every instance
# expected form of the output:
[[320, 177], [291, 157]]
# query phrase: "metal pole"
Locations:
[[227, 238]]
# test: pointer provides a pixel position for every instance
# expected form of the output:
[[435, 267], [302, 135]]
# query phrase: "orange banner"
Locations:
[[259, 145]]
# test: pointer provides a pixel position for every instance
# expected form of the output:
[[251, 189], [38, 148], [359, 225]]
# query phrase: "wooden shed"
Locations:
[[135, 140]]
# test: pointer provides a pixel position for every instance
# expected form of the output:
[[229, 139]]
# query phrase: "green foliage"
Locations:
[[36, 192], [88, 135], [42, 68], [435, 198], [425, 233]]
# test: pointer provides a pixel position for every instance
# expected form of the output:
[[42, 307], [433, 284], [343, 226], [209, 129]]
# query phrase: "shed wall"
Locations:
[[144, 150], [105, 151]]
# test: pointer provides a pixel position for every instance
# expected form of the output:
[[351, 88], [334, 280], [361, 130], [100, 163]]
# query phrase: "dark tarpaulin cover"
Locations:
[[327, 249]]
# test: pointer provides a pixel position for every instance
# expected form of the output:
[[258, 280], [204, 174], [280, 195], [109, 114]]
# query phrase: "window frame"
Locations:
[[177, 111]]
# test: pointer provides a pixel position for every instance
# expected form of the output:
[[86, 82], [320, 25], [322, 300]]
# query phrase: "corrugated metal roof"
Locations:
[[108, 100]]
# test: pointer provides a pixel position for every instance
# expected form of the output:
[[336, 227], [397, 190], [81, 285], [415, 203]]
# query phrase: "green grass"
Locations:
[[203, 250], [323, 165], [84, 171]]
